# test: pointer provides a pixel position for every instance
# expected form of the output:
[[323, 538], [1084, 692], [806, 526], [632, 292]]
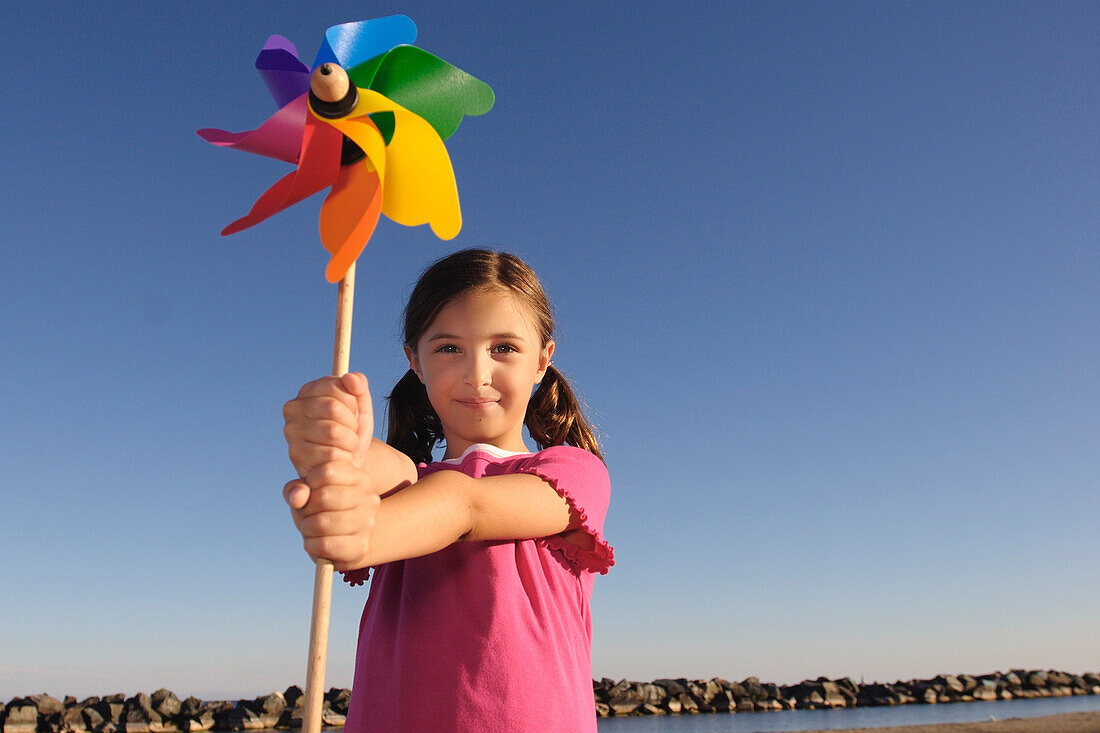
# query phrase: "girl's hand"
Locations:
[[331, 419], [334, 507]]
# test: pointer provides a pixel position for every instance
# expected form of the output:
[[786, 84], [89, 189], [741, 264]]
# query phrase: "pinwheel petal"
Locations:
[[280, 137], [272, 201], [427, 85], [363, 132], [349, 215], [286, 77], [350, 44], [418, 186], [318, 169]]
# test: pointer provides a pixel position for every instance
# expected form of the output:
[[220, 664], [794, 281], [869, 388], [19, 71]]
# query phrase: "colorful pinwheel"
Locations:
[[369, 120]]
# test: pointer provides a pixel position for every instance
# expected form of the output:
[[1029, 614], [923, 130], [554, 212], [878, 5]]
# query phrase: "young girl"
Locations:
[[477, 617]]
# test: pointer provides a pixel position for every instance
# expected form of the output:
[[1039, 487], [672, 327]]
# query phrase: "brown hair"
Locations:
[[554, 415]]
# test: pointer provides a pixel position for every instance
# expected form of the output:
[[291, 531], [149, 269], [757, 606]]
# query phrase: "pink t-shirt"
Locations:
[[487, 636]]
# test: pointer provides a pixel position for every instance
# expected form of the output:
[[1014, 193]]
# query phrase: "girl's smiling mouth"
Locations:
[[477, 402]]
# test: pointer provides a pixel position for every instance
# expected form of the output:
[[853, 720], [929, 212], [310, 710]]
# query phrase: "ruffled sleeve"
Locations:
[[356, 577], [582, 480]]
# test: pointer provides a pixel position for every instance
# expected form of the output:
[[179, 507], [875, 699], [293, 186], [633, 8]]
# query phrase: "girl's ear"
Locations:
[[414, 363], [544, 359]]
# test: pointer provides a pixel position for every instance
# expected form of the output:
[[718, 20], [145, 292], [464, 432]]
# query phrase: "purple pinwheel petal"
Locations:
[[279, 137], [350, 44], [286, 77]]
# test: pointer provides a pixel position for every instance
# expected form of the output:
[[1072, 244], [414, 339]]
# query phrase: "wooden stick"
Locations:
[[322, 579]]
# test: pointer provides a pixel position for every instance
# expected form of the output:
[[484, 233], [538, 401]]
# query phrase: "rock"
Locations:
[[1054, 677], [45, 704], [138, 715], [602, 710], [165, 703], [293, 696], [270, 708], [832, 694], [677, 687], [687, 703], [330, 717], [1036, 680], [618, 688], [21, 717], [109, 710], [339, 699], [626, 701], [986, 690], [877, 694], [72, 720], [724, 702], [93, 719], [952, 684], [753, 689], [712, 688], [673, 704], [653, 694], [848, 688], [236, 718], [738, 690]]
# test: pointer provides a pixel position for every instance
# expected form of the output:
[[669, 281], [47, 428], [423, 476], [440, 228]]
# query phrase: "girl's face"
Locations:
[[479, 361]]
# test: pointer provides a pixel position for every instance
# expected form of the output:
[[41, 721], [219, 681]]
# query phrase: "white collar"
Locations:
[[484, 448]]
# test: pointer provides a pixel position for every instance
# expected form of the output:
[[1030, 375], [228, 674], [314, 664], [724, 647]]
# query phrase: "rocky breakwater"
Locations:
[[164, 712], [680, 696]]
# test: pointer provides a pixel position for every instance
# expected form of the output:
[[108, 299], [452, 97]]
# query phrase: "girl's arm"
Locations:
[[448, 506], [359, 503], [343, 519]]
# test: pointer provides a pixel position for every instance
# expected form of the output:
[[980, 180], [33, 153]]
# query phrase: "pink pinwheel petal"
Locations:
[[318, 169], [348, 217], [286, 77], [279, 137]]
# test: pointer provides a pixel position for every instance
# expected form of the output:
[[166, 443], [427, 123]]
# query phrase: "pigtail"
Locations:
[[554, 416], [412, 426]]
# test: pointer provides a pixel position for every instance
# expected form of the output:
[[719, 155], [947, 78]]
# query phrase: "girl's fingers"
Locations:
[[345, 553], [296, 494], [321, 432]]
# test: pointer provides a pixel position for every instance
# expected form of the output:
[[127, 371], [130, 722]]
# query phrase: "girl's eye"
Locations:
[[447, 349], [504, 349]]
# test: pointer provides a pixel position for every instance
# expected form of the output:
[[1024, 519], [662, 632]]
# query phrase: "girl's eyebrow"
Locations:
[[451, 337]]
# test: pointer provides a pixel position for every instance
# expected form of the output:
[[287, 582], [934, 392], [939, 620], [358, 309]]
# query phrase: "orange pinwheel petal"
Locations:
[[349, 215]]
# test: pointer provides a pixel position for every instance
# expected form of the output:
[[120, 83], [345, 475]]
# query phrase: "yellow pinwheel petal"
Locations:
[[418, 183], [363, 133]]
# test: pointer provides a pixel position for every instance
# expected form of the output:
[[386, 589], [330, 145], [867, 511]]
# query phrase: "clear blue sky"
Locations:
[[827, 274]]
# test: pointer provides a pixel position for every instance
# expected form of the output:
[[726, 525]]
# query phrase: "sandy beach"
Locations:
[[1088, 722]]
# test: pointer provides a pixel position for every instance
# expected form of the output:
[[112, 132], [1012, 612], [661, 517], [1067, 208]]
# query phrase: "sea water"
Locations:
[[872, 717]]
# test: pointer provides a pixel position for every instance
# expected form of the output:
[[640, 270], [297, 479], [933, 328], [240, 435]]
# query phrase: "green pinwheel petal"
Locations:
[[363, 74], [425, 84]]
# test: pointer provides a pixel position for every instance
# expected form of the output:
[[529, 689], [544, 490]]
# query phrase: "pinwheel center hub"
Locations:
[[331, 93], [332, 96]]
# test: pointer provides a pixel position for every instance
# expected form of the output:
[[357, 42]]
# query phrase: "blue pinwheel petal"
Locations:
[[350, 44], [286, 77]]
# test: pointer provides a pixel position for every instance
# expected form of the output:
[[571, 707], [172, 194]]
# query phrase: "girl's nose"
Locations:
[[480, 371]]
